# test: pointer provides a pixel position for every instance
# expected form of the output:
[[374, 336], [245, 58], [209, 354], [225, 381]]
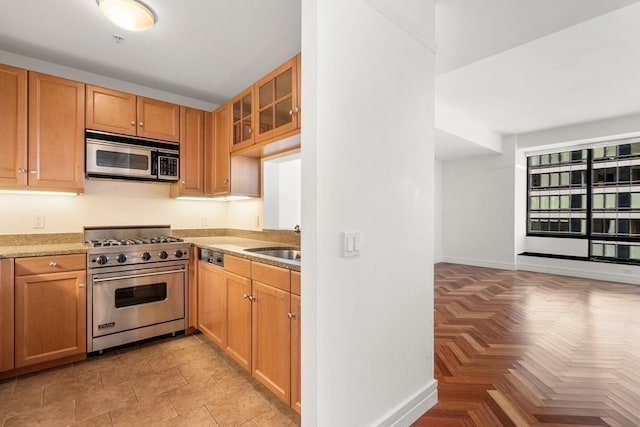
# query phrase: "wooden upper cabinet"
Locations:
[[13, 127], [222, 157], [158, 119], [120, 112], [111, 111], [277, 102], [242, 120], [56, 133], [192, 140]]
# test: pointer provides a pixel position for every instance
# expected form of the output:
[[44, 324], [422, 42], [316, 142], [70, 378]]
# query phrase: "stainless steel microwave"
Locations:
[[110, 155]]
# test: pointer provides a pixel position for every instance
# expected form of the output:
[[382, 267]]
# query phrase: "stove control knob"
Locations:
[[121, 258], [146, 256], [163, 255], [179, 253], [102, 259]]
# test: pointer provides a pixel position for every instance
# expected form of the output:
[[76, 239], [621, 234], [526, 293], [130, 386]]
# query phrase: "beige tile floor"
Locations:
[[183, 381]]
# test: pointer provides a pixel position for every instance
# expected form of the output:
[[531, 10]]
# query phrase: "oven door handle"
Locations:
[[134, 276]]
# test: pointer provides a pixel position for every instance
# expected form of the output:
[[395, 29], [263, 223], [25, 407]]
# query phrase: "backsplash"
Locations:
[[279, 236]]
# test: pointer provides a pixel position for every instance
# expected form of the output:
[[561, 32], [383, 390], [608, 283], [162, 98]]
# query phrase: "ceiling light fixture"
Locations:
[[128, 14]]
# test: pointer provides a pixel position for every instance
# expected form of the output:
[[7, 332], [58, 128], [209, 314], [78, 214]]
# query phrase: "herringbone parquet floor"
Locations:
[[514, 348]]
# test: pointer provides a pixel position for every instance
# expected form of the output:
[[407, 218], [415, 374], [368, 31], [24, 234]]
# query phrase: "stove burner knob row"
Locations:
[[102, 259], [163, 255], [121, 258], [146, 256]]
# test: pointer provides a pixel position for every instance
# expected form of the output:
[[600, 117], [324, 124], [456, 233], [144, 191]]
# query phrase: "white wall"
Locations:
[[478, 210], [245, 214], [108, 203], [367, 153], [28, 63], [437, 221]]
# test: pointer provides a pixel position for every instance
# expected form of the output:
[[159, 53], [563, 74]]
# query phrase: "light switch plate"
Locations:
[[351, 243]]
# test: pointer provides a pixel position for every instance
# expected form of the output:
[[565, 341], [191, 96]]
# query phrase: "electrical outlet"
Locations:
[[257, 221], [37, 221], [351, 243]]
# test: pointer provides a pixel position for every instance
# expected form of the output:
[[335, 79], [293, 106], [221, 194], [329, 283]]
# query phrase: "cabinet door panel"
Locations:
[[6, 314], [295, 353], [13, 127], [222, 171], [158, 119], [191, 151], [277, 103], [212, 303], [242, 117], [50, 317], [239, 319], [271, 357], [110, 110], [56, 133]]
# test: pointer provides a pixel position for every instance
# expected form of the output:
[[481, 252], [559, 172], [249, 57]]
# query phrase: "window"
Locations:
[[591, 193]]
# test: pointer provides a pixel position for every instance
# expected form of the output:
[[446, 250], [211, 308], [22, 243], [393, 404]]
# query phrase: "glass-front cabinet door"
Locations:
[[277, 102], [242, 120]]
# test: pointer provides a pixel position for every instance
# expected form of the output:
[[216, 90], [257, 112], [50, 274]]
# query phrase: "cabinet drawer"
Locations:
[[295, 282], [50, 264], [270, 275], [237, 265]]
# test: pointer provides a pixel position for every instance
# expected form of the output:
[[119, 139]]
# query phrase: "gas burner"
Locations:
[[120, 246]]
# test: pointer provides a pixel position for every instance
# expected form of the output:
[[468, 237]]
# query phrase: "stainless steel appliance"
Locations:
[[110, 155], [137, 284]]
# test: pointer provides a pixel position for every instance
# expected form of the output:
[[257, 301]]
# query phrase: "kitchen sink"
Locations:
[[291, 254]]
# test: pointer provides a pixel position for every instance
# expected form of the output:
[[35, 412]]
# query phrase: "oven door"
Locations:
[[137, 298], [120, 160]]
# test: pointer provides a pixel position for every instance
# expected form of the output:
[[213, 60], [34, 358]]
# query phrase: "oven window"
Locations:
[[137, 295], [114, 159]]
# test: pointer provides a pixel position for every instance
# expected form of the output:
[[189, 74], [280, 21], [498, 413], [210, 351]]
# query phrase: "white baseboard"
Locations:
[[481, 263], [408, 412], [438, 259]]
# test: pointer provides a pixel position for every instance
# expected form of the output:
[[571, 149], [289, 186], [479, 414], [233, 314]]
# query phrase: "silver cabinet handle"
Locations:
[[133, 122], [81, 285], [250, 130], [249, 297], [141, 124], [183, 182], [296, 110], [22, 170], [226, 180], [97, 279], [33, 171], [291, 112], [291, 315], [252, 298], [245, 296], [53, 264]]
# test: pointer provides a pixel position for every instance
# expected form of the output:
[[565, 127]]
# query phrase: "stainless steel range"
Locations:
[[137, 284]]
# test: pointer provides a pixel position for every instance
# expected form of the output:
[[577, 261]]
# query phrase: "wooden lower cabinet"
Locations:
[[239, 319], [252, 311], [296, 320], [212, 303], [6, 314], [271, 332], [50, 317]]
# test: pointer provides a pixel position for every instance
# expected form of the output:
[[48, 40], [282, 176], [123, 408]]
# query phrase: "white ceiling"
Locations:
[[517, 66], [508, 66], [202, 49]]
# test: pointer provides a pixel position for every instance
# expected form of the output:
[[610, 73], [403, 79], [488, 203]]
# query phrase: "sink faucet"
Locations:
[[297, 229]]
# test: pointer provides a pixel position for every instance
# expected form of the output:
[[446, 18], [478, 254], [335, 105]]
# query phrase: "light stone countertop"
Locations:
[[226, 244], [236, 246], [19, 251]]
